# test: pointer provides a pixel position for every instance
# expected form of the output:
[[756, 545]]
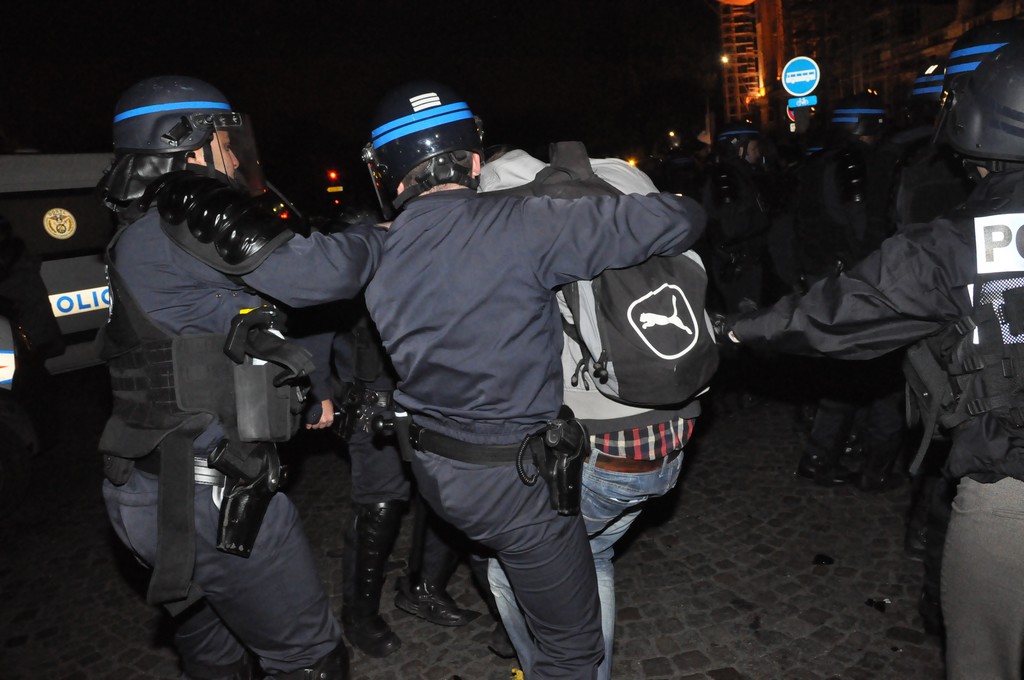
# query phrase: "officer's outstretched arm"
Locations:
[[218, 224]]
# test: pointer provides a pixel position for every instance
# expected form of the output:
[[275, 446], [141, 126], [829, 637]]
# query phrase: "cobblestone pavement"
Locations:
[[717, 581]]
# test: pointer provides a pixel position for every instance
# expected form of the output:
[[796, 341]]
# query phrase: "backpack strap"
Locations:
[[570, 174], [571, 158], [571, 293]]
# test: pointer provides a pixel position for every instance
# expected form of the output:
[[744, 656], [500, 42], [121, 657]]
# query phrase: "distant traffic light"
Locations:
[[333, 185]]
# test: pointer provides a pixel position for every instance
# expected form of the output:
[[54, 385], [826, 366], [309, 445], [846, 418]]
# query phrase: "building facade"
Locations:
[[875, 45]]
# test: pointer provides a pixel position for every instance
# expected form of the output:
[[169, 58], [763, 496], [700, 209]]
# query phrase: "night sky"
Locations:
[[616, 75]]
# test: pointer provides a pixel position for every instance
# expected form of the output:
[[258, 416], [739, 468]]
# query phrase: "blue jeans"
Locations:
[[610, 504]]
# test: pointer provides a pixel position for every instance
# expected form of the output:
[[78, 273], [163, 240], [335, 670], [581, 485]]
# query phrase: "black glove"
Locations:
[[313, 413], [747, 306], [721, 324]]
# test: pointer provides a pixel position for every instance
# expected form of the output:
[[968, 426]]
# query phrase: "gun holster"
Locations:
[[254, 475], [560, 460]]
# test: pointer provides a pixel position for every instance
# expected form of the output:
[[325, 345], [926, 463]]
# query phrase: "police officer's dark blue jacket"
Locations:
[[913, 286], [465, 305], [185, 296]]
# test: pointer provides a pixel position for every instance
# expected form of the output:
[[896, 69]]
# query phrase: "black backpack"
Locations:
[[642, 329]]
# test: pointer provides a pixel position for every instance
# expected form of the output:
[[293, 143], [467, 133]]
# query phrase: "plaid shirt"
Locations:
[[645, 443]]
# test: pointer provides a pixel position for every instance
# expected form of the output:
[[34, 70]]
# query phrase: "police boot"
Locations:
[[929, 607], [367, 546], [824, 470], [826, 442], [424, 594], [334, 666], [879, 473]]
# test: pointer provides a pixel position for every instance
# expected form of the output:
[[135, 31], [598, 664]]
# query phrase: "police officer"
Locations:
[[841, 214], [25, 411], [844, 191], [738, 214], [189, 457], [734, 196], [935, 179], [464, 301], [930, 179], [958, 276]]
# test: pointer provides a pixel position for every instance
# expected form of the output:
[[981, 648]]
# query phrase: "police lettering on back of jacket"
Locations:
[[464, 301], [961, 267]]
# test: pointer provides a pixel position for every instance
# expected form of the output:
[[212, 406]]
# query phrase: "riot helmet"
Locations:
[[859, 115], [968, 52], [985, 117], [928, 84], [170, 123], [423, 127], [971, 48], [922, 103], [734, 140]]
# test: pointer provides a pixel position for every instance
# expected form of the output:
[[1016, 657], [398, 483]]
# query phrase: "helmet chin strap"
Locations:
[[1003, 166], [207, 150], [990, 164]]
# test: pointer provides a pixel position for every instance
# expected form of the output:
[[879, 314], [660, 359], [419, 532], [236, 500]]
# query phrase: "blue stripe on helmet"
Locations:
[[845, 120], [932, 89], [962, 68], [929, 79], [732, 133], [977, 49], [418, 116], [421, 125], [174, 106], [880, 112]]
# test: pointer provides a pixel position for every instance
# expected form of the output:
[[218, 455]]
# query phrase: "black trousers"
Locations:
[[546, 556], [251, 597]]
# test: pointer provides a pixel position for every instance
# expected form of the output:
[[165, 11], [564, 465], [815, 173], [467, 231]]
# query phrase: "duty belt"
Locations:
[[360, 395], [456, 449], [380, 398], [202, 472]]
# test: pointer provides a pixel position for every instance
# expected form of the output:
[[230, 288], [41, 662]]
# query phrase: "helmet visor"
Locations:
[[377, 176], [231, 150]]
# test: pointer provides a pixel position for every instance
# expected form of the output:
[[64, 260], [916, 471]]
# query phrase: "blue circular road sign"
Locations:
[[800, 76]]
